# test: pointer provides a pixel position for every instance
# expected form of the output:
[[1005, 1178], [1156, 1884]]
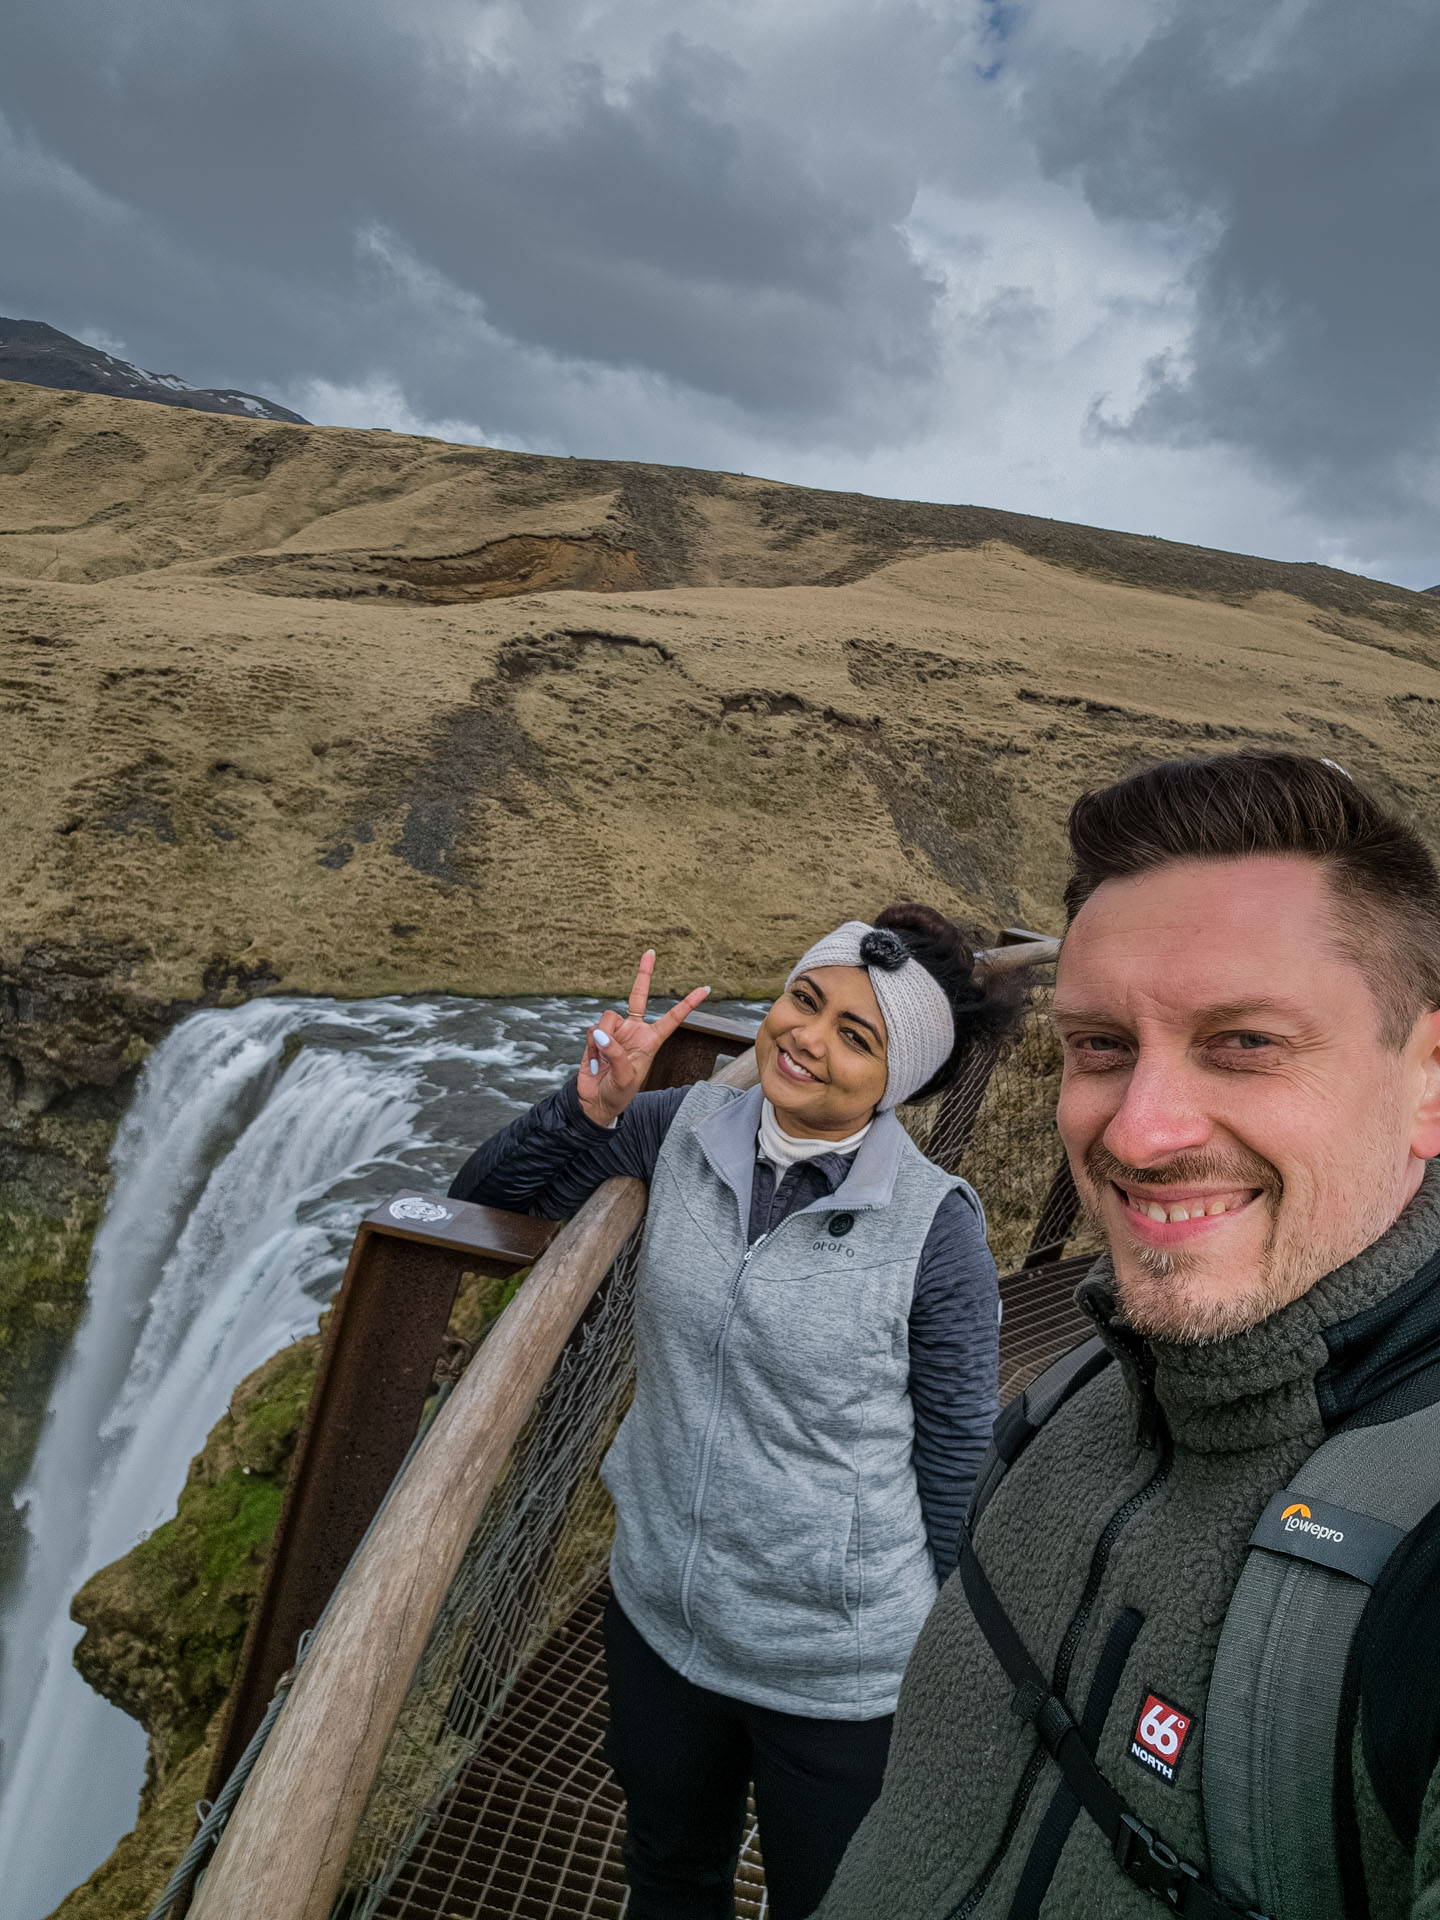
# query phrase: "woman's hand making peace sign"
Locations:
[[620, 1049]]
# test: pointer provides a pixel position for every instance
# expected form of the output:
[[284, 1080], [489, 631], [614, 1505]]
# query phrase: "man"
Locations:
[[1247, 1000]]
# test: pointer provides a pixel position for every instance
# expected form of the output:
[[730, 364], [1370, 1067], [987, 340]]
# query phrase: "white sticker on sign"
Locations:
[[413, 1208]]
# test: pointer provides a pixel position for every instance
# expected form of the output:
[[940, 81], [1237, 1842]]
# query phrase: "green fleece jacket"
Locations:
[[1141, 1493]]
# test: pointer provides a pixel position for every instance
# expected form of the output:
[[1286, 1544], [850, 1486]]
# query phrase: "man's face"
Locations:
[[1232, 1119]]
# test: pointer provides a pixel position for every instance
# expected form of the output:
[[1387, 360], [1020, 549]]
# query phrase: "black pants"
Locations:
[[685, 1757]]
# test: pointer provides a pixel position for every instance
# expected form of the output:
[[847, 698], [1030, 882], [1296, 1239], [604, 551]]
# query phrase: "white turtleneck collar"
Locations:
[[783, 1150]]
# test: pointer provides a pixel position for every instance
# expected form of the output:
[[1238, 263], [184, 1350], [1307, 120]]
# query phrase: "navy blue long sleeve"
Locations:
[[550, 1161], [954, 1369]]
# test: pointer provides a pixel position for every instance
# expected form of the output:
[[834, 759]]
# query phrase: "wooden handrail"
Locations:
[[283, 1853], [1009, 959]]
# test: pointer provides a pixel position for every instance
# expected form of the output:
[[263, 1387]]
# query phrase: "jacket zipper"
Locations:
[[712, 1428], [1114, 1527], [1099, 1560]]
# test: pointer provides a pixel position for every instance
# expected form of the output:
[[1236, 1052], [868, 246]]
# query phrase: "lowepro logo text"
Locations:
[[1297, 1519]]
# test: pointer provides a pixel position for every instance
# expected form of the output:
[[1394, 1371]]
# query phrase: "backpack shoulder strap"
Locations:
[[1141, 1854], [1023, 1417], [1275, 1718]]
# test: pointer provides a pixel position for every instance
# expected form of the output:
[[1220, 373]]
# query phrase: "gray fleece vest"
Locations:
[[1098, 1516], [769, 1541]]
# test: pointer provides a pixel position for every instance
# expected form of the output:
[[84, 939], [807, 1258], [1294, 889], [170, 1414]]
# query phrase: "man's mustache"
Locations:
[[1185, 1170]]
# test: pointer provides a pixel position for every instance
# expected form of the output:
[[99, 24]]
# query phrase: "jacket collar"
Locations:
[[727, 1139], [1362, 1335]]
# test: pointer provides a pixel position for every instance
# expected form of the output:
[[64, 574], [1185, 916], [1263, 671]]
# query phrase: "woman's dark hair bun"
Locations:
[[986, 1014]]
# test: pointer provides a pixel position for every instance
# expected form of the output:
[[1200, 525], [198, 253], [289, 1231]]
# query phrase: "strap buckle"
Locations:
[[1144, 1857]]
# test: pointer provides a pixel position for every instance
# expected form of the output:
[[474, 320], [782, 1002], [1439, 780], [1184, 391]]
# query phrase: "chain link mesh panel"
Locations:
[[997, 1129], [542, 1544]]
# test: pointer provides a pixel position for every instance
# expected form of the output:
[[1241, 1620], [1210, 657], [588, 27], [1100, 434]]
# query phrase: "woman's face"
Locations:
[[821, 1053]]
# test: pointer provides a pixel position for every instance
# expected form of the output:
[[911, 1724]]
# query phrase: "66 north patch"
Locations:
[[1158, 1742]]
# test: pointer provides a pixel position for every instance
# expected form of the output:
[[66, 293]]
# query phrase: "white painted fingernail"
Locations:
[[594, 1066], [600, 1038]]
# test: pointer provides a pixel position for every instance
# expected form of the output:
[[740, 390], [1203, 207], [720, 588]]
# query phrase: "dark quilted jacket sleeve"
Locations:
[[550, 1160], [954, 1367]]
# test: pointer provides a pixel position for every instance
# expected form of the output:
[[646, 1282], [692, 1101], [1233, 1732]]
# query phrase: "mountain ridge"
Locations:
[[35, 352]]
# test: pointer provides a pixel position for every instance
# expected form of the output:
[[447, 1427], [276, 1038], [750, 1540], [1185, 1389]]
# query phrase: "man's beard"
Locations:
[[1158, 1290]]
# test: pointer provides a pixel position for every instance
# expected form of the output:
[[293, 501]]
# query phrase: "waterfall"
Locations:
[[240, 1173]]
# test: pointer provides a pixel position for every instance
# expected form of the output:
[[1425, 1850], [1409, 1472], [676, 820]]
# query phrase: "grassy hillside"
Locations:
[[354, 712]]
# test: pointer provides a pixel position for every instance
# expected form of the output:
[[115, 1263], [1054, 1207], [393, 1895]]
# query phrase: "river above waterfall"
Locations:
[[256, 1140]]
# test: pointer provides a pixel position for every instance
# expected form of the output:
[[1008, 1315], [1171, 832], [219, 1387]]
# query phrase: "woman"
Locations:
[[816, 1328]]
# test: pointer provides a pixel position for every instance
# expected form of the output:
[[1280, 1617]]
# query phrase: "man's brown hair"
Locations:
[[1227, 806]]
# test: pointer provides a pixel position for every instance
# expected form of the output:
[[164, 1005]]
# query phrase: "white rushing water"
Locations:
[[241, 1171]]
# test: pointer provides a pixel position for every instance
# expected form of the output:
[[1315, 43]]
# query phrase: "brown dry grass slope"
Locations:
[[355, 712]]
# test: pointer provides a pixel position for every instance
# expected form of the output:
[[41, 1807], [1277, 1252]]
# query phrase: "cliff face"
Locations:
[[74, 1029], [69, 1048], [164, 1624]]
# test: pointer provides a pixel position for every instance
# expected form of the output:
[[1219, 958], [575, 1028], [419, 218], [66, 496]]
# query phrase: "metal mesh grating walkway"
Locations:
[[533, 1827]]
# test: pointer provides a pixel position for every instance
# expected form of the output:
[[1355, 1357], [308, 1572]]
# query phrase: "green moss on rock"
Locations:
[[43, 1259], [163, 1626]]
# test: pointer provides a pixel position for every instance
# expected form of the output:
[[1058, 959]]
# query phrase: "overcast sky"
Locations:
[[1172, 267]]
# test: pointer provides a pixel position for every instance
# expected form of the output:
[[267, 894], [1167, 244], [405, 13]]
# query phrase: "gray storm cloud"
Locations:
[[652, 218], [1300, 146], [1161, 263]]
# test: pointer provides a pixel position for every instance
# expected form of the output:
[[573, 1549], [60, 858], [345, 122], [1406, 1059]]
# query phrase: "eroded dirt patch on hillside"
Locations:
[[519, 563]]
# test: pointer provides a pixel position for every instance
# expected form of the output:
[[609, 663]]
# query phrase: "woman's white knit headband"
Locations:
[[919, 1026]]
